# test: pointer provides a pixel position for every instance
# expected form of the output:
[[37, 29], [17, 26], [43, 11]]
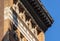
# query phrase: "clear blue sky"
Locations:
[[53, 7]]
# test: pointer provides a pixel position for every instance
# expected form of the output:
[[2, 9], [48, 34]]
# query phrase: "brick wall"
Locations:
[[1, 18]]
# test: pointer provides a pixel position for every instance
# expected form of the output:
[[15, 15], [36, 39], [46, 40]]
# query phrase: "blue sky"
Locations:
[[53, 7]]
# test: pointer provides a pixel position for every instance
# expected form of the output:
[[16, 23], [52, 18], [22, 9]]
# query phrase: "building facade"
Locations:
[[19, 25], [15, 35]]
